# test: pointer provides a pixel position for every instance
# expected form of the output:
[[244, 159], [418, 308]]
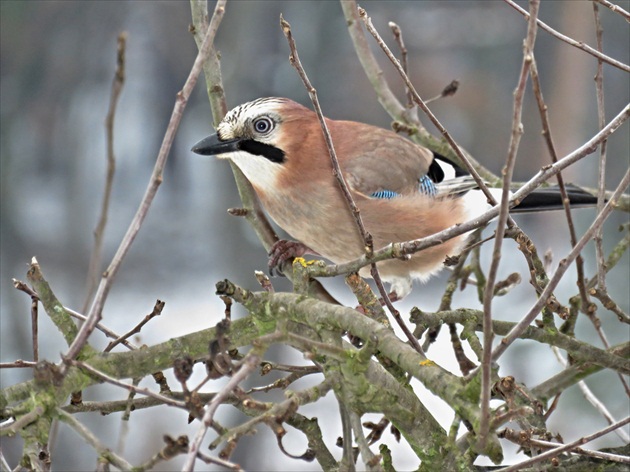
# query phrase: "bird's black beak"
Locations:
[[212, 145]]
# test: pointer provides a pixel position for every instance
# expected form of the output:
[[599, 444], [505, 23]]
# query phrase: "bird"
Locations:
[[404, 191]]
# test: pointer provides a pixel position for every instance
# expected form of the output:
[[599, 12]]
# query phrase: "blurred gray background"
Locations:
[[57, 62]]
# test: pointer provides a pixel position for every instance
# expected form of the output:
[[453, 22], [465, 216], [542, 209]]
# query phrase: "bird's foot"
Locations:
[[283, 251]]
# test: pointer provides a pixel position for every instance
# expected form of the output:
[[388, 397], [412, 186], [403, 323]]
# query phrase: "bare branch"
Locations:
[[18, 284], [565, 448], [99, 232], [53, 307], [610, 304], [563, 266], [615, 8], [12, 428], [601, 178], [370, 460], [403, 56], [157, 310], [372, 70], [218, 461], [294, 59], [542, 108], [416, 98], [572, 42], [95, 313], [247, 367], [592, 399], [131, 388], [17, 364], [508, 171], [365, 236], [104, 329], [93, 441]]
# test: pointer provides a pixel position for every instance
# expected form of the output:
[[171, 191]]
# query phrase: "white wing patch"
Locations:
[[476, 203]]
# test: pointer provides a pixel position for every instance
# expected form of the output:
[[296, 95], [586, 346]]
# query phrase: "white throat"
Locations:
[[259, 171]]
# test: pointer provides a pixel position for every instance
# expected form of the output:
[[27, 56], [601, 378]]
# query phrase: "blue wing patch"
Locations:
[[388, 194], [425, 186]]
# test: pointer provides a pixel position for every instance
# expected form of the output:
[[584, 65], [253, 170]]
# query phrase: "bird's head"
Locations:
[[257, 136]]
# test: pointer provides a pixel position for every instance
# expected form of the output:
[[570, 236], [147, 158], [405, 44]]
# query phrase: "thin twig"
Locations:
[[347, 459], [525, 440], [35, 328], [408, 116], [157, 310], [53, 307], [104, 329], [99, 232], [86, 434], [18, 284], [212, 65], [613, 258], [615, 8], [542, 108], [584, 452], [601, 178], [394, 312], [418, 100], [565, 448], [508, 171], [589, 308], [445, 304], [131, 388], [173, 448], [139, 403], [17, 364], [294, 59], [447, 91], [249, 364], [4, 465], [610, 304], [276, 414], [218, 461], [572, 42], [365, 235], [95, 313], [403, 57], [283, 382], [558, 383], [22, 421], [370, 461], [592, 399], [562, 267], [123, 432], [374, 73], [267, 366]]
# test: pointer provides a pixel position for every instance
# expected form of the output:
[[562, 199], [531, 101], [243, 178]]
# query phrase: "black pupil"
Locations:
[[262, 125]]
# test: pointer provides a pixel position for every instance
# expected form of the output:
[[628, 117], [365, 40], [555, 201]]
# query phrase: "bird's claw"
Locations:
[[283, 251]]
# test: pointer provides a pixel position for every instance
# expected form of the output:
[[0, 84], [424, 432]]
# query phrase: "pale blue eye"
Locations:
[[263, 125]]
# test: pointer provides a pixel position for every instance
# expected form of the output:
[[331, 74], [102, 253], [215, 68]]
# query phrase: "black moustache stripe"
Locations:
[[261, 149]]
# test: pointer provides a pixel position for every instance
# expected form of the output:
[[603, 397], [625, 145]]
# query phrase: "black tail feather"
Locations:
[[549, 198]]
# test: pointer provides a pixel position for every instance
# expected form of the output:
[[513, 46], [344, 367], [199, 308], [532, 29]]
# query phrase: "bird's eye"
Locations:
[[263, 125]]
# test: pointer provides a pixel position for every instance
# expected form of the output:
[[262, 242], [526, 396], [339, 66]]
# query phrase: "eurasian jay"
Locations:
[[404, 191]]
